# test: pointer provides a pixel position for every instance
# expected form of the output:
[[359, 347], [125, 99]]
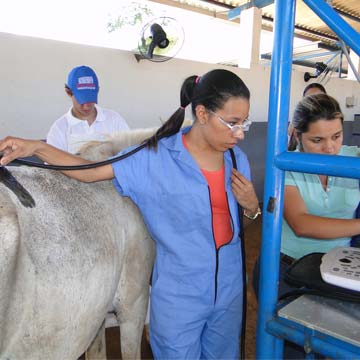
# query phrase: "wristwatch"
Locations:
[[253, 216]]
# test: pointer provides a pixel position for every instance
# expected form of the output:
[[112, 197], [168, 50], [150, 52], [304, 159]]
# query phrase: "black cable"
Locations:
[[243, 260], [79, 167]]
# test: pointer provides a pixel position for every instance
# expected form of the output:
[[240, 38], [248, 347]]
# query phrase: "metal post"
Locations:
[[276, 143], [336, 23]]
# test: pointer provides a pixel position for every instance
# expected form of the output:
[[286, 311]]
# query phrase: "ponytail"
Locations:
[[174, 123]]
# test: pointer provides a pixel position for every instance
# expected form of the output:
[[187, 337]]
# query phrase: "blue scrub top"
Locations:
[[173, 197], [339, 202]]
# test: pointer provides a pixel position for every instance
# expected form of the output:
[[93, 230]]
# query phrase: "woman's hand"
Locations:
[[13, 148], [244, 192]]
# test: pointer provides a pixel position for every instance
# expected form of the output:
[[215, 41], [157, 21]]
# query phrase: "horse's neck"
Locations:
[[129, 138]]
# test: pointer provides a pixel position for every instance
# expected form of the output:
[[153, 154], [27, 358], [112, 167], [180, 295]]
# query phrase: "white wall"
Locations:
[[33, 72]]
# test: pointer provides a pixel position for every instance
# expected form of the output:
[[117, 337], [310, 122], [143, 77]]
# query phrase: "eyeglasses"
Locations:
[[244, 126]]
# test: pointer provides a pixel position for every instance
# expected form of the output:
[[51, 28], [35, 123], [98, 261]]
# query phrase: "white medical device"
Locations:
[[341, 267]]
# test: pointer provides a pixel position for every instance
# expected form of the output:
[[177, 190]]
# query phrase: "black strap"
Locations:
[[243, 257]]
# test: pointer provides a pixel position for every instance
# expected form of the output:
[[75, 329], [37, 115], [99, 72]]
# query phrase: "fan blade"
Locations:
[[159, 39]]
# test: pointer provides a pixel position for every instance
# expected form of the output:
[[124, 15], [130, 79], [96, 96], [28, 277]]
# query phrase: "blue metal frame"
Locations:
[[268, 346], [342, 166], [271, 331], [314, 340], [232, 14], [336, 23]]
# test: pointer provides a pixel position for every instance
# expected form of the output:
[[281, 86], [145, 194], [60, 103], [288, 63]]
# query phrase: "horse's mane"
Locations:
[[102, 150]]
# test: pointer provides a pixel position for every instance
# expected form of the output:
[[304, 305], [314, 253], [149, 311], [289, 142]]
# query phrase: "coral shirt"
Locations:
[[219, 205], [221, 222]]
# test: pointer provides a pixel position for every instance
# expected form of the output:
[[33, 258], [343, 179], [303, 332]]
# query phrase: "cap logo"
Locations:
[[86, 83]]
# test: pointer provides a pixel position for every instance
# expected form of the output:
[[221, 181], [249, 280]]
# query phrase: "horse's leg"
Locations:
[[131, 300], [97, 349], [131, 327]]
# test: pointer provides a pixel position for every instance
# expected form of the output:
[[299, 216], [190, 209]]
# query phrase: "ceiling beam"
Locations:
[[235, 12], [223, 16], [213, 13]]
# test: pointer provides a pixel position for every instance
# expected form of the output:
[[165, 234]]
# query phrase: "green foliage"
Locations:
[[132, 14]]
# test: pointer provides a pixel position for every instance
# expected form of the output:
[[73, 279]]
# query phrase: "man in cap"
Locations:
[[85, 121]]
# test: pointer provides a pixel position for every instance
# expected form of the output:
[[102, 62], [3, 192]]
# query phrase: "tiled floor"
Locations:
[[252, 238]]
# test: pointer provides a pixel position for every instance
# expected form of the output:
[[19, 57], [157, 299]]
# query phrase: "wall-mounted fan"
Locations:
[[324, 70], [161, 39], [320, 67]]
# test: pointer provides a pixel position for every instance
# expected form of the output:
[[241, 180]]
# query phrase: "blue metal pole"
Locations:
[[280, 81], [331, 350], [279, 346], [319, 343], [342, 166], [335, 23]]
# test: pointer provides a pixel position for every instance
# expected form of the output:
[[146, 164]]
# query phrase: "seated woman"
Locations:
[[318, 209]]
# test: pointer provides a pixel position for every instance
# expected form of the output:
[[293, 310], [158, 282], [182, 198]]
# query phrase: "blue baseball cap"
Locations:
[[84, 84]]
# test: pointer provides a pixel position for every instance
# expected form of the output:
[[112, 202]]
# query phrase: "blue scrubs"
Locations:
[[196, 296]]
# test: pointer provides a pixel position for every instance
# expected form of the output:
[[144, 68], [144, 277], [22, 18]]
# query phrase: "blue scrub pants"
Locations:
[[187, 330]]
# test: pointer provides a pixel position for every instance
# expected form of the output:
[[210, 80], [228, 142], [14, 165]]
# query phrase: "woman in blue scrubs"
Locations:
[[187, 190]]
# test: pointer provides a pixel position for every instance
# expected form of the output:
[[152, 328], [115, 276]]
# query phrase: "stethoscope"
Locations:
[[84, 166]]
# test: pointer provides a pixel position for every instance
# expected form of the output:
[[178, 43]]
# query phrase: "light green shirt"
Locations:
[[339, 201]]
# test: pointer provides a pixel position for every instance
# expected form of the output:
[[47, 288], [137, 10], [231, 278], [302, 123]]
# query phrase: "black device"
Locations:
[[158, 39]]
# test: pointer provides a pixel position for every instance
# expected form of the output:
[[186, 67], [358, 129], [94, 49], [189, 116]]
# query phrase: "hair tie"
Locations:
[[182, 107], [197, 79]]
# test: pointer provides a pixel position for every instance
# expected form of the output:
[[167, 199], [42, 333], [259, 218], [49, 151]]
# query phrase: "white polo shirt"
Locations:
[[69, 133]]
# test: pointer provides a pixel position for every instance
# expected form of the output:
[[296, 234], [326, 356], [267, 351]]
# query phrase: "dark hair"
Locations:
[[68, 90], [313, 108], [211, 90], [314, 86]]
